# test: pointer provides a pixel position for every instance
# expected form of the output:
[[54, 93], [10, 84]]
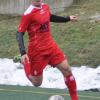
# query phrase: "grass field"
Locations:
[[80, 40], [32, 93]]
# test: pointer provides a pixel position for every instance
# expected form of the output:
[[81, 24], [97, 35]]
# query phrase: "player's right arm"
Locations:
[[24, 23]]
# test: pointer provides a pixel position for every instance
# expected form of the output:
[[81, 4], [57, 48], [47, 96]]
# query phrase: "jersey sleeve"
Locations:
[[48, 8], [24, 23]]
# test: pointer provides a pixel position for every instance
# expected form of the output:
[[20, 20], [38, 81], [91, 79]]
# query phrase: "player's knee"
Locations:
[[36, 84], [36, 80], [66, 71]]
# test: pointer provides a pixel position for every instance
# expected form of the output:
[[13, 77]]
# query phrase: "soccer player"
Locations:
[[42, 49]]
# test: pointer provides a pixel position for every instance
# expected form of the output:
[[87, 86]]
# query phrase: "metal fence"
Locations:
[[19, 6]]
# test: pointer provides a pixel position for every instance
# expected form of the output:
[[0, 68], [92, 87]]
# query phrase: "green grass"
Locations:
[[35, 93], [80, 40], [8, 45]]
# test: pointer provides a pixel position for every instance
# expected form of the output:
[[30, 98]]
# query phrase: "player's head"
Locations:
[[37, 2]]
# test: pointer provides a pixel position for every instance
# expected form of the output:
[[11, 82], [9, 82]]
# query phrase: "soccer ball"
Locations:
[[56, 97]]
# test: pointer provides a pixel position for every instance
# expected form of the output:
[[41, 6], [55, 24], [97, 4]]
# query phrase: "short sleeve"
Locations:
[[24, 23], [49, 10]]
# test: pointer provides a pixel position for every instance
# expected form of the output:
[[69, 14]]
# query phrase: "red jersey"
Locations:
[[36, 21], [42, 49]]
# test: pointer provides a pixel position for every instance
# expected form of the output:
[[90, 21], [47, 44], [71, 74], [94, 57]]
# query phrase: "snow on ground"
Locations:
[[13, 74]]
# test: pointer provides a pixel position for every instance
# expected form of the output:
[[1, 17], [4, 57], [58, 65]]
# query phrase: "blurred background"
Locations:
[[80, 41]]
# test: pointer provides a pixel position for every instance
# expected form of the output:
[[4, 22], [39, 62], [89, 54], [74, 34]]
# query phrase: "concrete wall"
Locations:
[[59, 5], [19, 6]]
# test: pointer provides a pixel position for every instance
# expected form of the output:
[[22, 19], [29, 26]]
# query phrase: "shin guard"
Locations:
[[27, 68], [71, 84]]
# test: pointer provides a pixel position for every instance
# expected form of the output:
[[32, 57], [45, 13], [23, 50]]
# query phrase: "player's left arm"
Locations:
[[55, 18]]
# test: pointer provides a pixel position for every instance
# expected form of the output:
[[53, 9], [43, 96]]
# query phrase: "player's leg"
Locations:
[[36, 80], [37, 64], [69, 78], [59, 60], [33, 71], [26, 65], [35, 76], [64, 67]]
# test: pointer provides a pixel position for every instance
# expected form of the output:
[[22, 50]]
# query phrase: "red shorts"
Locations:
[[39, 59]]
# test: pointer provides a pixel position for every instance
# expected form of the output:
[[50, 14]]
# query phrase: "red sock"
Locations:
[[27, 68], [71, 84]]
